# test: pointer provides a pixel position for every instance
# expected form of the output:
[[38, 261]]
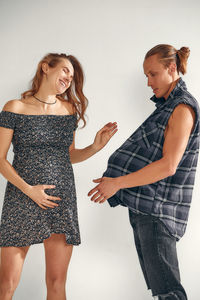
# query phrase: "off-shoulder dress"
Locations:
[[41, 156]]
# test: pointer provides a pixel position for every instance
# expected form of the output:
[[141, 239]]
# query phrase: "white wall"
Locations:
[[110, 38]]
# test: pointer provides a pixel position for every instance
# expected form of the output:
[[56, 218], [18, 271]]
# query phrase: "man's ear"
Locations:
[[45, 67], [172, 68]]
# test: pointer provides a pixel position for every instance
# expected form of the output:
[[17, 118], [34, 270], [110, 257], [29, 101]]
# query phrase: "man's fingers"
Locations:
[[92, 191], [103, 200], [95, 196], [97, 180]]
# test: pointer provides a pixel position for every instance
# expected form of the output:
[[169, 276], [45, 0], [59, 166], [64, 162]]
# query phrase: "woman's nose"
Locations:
[[68, 78]]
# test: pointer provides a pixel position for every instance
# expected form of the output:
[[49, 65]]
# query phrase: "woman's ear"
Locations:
[[45, 67]]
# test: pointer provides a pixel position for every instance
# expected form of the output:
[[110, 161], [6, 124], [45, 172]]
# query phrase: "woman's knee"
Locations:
[[12, 259], [8, 286]]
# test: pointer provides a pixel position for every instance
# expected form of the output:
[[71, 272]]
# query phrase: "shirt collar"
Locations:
[[160, 101]]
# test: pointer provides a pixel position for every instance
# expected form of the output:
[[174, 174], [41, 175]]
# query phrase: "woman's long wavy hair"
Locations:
[[74, 94]]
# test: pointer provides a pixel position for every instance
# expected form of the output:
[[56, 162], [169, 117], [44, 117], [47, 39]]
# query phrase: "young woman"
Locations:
[[40, 198], [153, 172]]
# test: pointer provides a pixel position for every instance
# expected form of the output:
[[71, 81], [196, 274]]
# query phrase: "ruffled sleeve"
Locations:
[[7, 119]]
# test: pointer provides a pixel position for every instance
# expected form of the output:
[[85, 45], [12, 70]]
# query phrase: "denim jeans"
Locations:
[[156, 249]]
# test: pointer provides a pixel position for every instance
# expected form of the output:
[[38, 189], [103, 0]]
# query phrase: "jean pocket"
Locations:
[[163, 231]]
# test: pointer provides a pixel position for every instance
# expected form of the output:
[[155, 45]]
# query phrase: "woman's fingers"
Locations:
[[48, 186], [42, 206], [49, 203], [111, 127], [108, 126], [113, 132], [53, 197], [46, 203]]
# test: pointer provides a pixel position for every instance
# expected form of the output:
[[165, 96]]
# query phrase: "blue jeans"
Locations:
[[156, 249]]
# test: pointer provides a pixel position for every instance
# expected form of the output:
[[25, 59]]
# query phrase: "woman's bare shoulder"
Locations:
[[68, 106], [13, 105]]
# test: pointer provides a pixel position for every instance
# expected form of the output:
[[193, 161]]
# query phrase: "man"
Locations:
[[153, 172]]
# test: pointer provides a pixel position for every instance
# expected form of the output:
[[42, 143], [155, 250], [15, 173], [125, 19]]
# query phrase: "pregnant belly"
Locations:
[[52, 170]]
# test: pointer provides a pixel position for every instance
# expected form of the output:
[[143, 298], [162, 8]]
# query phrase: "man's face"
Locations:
[[159, 77]]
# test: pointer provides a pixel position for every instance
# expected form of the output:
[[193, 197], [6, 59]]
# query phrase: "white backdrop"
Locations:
[[110, 38]]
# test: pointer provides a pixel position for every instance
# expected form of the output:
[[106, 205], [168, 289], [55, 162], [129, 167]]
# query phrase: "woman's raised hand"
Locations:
[[38, 195], [104, 135]]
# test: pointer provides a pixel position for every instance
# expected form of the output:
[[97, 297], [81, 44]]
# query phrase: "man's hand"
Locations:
[[106, 188]]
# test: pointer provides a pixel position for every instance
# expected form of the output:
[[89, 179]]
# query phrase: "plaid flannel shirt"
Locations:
[[168, 199]]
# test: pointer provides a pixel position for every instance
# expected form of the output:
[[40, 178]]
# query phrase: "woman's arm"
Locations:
[[180, 126], [101, 139], [37, 192], [6, 169]]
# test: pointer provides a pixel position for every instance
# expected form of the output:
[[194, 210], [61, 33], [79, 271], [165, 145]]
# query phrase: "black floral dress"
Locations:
[[41, 156]]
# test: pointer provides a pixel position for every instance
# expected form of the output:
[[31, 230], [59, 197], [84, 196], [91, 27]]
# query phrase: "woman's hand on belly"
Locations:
[[38, 195]]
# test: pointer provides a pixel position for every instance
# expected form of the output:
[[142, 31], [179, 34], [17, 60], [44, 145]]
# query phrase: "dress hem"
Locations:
[[68, 241]]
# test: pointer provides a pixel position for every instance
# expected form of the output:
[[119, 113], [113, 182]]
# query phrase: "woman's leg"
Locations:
[[57, 254], [11, 263]]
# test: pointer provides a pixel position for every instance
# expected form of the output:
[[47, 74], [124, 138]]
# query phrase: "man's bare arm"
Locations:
[[180, 126]]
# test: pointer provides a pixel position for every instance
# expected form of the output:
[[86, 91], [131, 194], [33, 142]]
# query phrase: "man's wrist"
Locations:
[[120, 182]]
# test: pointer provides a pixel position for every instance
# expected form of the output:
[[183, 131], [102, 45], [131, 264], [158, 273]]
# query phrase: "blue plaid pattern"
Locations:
[[168, 199]]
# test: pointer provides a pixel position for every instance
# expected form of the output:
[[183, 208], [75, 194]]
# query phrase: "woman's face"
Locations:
[[60, 77], [160, 78]]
